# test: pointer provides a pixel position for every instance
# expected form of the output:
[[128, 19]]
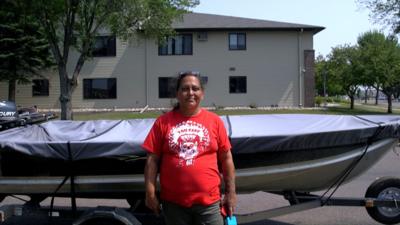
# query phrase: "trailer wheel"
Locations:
[[102, 221], [385, 188], [107, 216]]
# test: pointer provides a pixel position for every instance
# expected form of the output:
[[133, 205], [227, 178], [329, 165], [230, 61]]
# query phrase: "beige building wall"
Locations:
[[128, 67], [23, 93], [272, 62]]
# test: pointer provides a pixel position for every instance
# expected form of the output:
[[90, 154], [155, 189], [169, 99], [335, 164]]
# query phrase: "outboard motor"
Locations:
[[9, 116]]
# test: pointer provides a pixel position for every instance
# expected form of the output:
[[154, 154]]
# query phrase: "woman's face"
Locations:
[[190, 92]]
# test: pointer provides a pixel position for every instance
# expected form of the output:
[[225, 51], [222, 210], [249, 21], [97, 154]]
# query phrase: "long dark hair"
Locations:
[[179, 81]]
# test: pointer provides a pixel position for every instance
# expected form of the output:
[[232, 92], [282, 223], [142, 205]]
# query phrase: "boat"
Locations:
[[11, 116], [271, 152], [277, 153], [31, 115]]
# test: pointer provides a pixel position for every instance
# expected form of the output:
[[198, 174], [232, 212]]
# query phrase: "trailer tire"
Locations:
[[102, 221], [107, 216], [384, 188]]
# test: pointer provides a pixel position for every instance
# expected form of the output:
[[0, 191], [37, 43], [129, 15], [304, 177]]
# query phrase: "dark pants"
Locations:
[[195, 215]]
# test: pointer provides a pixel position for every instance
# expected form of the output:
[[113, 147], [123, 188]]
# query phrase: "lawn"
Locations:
[[342, 109]]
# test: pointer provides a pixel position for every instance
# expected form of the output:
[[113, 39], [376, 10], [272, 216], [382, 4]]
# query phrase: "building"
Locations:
[[245, 62]]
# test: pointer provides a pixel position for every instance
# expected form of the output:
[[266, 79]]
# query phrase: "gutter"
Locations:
[[299, 48], [145, 74]]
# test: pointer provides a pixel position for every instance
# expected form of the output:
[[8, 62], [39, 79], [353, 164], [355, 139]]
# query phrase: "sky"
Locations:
[[344, 20]]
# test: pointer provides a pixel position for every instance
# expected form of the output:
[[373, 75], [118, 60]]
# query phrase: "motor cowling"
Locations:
[[8, 111]]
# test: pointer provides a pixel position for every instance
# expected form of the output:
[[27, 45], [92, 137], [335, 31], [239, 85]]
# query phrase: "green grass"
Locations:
[[116, 115], [342, 109]]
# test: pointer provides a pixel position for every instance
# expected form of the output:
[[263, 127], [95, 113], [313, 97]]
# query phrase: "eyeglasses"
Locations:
[[185, 73]]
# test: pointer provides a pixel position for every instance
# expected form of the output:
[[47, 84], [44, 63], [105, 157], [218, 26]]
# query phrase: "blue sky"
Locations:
[[343, 20]]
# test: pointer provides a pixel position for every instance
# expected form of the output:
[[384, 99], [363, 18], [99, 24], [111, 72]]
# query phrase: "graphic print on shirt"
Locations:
[[188, 139]]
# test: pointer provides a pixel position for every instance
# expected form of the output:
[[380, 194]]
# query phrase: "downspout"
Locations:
[[146, 75], [299, 48]]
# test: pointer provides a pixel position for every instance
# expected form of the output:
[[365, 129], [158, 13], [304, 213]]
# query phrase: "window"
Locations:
[[40, 87], [238, 84], [178, 45], [100, 88], [104, 46], [167, 86], [237, 41]]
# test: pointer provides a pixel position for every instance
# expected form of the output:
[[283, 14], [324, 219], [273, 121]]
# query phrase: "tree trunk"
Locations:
[[11, 90], [66, 109], [377, 96], [352, 102], [389, 99], [65, 94], [366, 95]]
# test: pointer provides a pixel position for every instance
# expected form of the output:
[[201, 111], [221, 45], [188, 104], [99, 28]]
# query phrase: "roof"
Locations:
[[202, 21]]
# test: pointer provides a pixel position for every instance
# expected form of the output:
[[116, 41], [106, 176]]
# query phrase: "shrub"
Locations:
[[253, 105], [318, 100]]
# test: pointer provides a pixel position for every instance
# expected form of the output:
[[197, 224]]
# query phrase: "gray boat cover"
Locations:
[[76, 140]]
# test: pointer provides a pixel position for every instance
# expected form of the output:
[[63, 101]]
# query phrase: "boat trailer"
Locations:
[[28, 214], [382, 201], [301, 202]]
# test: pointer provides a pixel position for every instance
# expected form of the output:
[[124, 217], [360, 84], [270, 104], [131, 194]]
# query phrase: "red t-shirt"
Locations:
[[188, 148]]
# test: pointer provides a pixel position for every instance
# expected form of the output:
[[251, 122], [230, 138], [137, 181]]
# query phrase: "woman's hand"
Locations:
[[153, 203], [229, 203]]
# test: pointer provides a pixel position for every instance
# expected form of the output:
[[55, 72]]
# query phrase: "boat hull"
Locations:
[[312, 175], [307, 175]]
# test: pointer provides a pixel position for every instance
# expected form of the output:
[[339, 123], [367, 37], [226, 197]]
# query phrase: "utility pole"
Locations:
[[324, 82]]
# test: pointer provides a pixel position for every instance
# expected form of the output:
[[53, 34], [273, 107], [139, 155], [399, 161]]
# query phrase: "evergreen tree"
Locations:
[[24, 51]]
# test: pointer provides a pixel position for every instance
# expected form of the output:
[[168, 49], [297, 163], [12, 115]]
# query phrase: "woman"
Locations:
[[190, 144]]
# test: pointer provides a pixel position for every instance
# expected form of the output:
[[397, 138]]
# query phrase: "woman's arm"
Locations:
[[228, 171], [150, 178]]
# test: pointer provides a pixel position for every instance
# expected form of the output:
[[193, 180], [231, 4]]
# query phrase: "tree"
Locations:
[[370, 45], [343, 64], [384, 11], [24, 51], [76, 23], [323, 73], [380, 56]]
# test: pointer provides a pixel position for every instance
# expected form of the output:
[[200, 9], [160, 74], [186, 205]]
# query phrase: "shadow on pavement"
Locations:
[[267, 222]]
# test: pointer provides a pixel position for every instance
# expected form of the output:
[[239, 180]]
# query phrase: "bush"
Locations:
[[338, 99], [318, 100], [253, 105]]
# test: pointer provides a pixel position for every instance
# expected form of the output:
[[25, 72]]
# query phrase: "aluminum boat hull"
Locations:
[[308, 175]]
